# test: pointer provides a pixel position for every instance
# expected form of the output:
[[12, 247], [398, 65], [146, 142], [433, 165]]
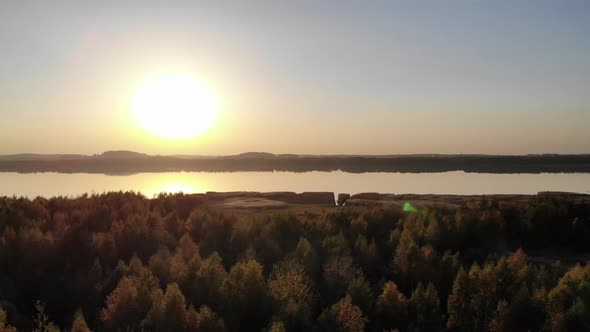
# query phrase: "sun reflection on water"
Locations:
[[172, 183]]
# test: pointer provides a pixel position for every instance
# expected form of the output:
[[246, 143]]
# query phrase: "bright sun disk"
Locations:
[[174, 107]]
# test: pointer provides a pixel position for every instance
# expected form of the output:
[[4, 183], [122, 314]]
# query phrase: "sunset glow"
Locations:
[[294, 166]]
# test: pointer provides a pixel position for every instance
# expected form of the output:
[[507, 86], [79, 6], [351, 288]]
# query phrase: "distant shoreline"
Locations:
[[124, 162]]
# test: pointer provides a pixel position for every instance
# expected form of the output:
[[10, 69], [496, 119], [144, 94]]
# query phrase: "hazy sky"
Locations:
[[331, 77]]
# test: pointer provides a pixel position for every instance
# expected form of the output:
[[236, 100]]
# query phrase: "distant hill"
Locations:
[[35, 156], [287, 155], [252, 155], [122, 154], [189, 156]]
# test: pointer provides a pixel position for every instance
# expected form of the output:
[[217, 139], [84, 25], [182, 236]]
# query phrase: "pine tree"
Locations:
[[79, 324], [458, 306], [343, 316], [391, 307], [247, 303], [306, 255], [277, 326], [204, 320], [425, 308], [360, 293], [291, 291]]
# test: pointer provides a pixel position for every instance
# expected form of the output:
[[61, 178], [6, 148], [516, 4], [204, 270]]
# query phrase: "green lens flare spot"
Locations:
[[408, 207]]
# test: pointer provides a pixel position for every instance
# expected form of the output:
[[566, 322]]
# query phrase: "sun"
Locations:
[[174, 107]]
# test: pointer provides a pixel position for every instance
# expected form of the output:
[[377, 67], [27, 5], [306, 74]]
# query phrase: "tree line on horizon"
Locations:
[[122, 262], [110, 164]]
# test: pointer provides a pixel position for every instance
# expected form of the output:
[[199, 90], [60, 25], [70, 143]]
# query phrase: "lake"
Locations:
[[460, 183]]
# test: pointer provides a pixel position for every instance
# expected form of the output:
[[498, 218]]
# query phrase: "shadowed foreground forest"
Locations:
[[123, 262]]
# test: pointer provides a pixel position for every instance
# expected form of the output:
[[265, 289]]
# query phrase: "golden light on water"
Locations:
[[174, 106], [176, 187], [169, 183]]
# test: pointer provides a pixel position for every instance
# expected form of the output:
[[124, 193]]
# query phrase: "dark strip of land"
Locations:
[[137, 163], [285, 199]]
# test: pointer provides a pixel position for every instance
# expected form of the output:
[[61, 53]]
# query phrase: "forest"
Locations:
[[123, 262]]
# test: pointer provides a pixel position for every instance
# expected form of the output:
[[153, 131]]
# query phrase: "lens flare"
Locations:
[[408, 207]]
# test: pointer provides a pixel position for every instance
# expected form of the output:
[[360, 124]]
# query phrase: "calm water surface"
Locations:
[[54, 184]]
